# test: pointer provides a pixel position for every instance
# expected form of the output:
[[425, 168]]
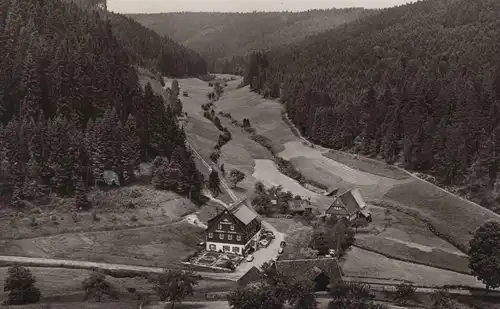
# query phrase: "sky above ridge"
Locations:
[[158, 6]]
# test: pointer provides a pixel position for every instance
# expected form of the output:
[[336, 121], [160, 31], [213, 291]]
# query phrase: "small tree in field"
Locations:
[[96, 286], [214, 183], [20, 284], [404, 292], [174, 285], [484, 254], [235, 177]]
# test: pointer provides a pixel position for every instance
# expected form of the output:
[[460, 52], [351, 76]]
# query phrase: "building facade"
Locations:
[[235, 230], [350, 205]]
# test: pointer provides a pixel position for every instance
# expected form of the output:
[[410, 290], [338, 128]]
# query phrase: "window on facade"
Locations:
[[210, 235], [232, 227], [220, 226], [236, 249], [226, 248], [229, 237], [212, 247], [221, 236], [238, 237]]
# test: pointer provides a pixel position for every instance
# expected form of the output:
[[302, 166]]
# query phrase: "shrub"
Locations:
[[53, 218], [207, 115], [214, 156], [134, 218], [95, 217], [404, 292], [75, 217], [135, 194]]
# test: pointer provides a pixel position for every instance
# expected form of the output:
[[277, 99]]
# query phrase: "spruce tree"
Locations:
[[130, 149]]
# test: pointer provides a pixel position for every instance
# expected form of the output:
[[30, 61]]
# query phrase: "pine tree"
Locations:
[[130, 149], [81, 200], [214, 183], [60, 159]]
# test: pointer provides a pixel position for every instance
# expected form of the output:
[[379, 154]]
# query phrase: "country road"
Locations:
[[59, 263], [263, 254]]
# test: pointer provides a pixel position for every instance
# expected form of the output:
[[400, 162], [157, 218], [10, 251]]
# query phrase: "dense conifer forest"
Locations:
[[225, 38], [71, 106], [146, 48], [417, 85]]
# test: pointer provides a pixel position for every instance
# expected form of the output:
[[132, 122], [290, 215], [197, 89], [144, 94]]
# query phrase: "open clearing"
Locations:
[[135, 225], [60, 284], [356, 265], [406, 238]]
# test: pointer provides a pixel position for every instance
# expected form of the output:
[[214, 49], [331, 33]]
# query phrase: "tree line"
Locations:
[[71, 106], [147, 48], [417, 85]]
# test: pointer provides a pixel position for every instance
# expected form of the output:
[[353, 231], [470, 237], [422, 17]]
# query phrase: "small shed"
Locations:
[[321, 271], [252, 275], [299, 207]]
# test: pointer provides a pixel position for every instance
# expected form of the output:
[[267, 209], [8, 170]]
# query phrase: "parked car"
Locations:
[[201, 244], [283, 244], [185, 93], [331, 251], [249, 258], [281, 250]]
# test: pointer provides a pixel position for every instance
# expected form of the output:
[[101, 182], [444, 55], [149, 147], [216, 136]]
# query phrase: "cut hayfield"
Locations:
[[367, 165], [312, 163], [64, 282], [451, 217], [267, 172], [157, 246], [65, 285], [264, 114], [362, 263]]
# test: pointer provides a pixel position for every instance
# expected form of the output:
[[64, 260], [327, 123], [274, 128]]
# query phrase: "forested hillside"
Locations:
[[147, 48], [417, 85], [71, 107], [221, 36]]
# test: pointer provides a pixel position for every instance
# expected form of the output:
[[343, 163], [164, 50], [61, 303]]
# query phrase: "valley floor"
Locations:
[[402, 234], [141, 226]]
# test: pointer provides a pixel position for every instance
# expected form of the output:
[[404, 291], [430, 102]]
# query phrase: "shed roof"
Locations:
[[241, 211], [252, 275], [353, 201], [310, 268]]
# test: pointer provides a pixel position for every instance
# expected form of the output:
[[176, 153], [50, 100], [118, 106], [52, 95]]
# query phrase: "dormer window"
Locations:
[[220, 226], [232, 227], [238, 237], [210, 235], [221, 236]]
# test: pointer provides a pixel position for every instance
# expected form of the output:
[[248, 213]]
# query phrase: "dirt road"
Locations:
[[42, 262]]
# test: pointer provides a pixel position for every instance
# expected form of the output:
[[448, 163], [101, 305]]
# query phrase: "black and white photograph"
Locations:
[[249, 154]]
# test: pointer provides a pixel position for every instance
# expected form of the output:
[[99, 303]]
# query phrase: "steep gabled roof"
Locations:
[[353, 201], [309, 269], [242, 212], [239, 211]]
